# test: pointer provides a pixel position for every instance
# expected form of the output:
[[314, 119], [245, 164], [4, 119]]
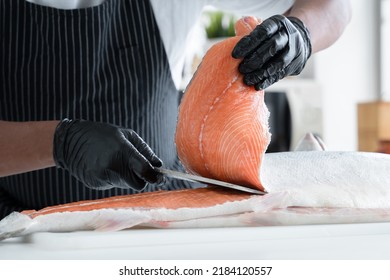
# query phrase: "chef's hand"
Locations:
[[103, 156], [276, 48]]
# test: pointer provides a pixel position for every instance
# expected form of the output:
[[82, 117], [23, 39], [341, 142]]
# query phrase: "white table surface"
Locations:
[[339, 241]]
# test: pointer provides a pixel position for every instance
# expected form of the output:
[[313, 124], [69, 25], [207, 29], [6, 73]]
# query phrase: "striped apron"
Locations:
[[105, 63]]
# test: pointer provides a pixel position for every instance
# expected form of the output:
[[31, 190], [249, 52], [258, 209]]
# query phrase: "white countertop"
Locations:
[[339, 241]]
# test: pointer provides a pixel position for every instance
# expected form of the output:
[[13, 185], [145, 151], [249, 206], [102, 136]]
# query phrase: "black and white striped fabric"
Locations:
[[105, 63]]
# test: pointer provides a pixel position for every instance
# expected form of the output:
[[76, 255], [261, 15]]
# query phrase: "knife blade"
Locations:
[[200, 179]]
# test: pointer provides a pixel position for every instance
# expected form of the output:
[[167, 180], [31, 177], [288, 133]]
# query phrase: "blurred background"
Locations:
[[343, 95]]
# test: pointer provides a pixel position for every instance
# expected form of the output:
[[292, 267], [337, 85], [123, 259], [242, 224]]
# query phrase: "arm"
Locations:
[[26, 146], [100, 155], [325, 19]]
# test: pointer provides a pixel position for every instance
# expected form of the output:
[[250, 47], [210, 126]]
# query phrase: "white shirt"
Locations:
[[176, 31]]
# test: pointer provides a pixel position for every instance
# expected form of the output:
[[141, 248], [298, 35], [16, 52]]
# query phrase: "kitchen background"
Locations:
[[339, 84]]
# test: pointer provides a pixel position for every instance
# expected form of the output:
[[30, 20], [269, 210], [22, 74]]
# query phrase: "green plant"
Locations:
[[219, 24]]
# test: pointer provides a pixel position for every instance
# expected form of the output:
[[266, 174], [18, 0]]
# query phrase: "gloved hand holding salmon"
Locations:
[[223, 133]]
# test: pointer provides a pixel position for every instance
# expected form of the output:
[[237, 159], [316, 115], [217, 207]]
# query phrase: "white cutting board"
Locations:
[[342, 241]]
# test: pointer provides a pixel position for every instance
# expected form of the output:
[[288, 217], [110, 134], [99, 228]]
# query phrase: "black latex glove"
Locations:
[[276, 48], [103, 156]]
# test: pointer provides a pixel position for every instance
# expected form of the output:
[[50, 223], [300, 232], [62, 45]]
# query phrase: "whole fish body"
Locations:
[[304, 188]]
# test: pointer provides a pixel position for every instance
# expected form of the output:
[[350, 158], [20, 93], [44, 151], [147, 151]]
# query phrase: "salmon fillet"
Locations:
[[190, 198], [222, 129]]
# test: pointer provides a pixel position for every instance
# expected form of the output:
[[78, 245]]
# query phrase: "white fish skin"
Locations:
[[329, 179], [255, 211], [15, 224], [304, 188], [286, 216]]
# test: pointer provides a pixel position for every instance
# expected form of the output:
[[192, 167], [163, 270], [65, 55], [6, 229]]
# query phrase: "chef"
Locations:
[[88, 88]]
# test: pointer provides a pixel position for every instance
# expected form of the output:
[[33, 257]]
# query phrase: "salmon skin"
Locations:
[[227, 121], [307, 187]]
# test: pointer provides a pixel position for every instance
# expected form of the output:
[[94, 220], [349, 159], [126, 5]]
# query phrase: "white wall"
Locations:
[[385, 47], [348, 72]]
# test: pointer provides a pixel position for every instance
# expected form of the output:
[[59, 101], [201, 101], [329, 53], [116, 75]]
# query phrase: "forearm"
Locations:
[[325, 19], [26, 146]]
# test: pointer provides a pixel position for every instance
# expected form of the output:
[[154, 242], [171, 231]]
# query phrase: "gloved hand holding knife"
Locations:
[[103, 156]]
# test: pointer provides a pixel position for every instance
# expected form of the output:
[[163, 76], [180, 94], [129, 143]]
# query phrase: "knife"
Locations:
[[195, 178]]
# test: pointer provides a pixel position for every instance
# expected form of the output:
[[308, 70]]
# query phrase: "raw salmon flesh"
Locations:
[[222, 129]]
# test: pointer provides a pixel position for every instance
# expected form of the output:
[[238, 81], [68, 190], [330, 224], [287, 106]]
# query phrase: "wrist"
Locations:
[[301, 27], [59, 139]]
